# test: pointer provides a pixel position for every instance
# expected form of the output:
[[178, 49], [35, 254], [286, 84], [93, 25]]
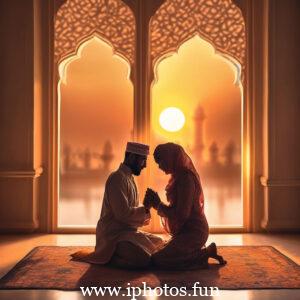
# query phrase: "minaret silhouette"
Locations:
[[199, 146], [214, 153], [107, 155]]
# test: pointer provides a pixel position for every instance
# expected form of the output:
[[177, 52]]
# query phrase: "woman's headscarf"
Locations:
[[178, 162]]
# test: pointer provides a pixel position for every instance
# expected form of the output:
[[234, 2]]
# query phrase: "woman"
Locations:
[[184, 217]]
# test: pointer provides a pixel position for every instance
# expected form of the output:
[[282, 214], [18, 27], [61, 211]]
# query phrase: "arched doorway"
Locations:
[[218, 156], [93, 59], [207, 89], [92, 134]]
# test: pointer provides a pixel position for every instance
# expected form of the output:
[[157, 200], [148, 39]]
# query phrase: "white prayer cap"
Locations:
[[137, 148]]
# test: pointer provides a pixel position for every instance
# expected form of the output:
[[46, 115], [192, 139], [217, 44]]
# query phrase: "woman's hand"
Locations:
[[147, 201]]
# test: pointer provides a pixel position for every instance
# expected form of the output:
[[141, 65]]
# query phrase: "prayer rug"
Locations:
[[248, 267]]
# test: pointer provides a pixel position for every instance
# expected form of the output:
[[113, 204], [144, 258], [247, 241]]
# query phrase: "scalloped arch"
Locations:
[[219, 22], [76, 20]]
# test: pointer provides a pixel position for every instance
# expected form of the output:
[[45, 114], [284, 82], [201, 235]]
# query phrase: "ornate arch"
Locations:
[[78, 20], [220, 22]]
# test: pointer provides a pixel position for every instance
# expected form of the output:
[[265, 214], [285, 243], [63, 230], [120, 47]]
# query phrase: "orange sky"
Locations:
[[97, 98]]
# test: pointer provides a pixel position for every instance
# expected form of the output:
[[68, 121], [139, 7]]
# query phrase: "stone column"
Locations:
[[281, 129], [142, 76], [20, 107]]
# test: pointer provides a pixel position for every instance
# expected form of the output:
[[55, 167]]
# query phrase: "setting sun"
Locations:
[[172, 119]]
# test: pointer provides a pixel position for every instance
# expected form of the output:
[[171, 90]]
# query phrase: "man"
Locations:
[[118, 240]]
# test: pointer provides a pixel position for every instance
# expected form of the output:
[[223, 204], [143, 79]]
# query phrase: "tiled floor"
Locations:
[[14, 247]]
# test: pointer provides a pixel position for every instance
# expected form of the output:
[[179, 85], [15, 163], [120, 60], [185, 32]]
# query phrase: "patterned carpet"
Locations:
[[249, 267]]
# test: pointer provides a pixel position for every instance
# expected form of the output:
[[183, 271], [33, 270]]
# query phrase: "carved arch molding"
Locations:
[[220, 22], [79, 20]]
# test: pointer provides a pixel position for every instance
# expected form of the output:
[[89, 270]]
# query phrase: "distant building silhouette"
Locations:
[[229, 153], [199, 146], [87, 159], [107, 155], [215, 171], [214, 153], [67, 152], [80, 165]]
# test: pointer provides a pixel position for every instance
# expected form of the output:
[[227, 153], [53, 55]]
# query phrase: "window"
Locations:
[[205, 87], [111, 26], [96, 120]]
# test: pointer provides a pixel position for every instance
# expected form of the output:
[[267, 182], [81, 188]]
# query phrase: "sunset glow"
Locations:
[[197, 75], [172, 119]]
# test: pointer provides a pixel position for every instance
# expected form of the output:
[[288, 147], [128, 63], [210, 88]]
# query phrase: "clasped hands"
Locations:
[[151, 199]]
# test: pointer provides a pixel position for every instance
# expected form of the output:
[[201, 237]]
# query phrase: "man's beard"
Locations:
[[136, 171]]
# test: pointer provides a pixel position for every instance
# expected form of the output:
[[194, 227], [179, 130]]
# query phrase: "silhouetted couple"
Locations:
[[118, 240]]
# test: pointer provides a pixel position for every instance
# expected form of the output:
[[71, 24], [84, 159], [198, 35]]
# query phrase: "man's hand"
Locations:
[[151, 199], [147, 201], [147, 220]]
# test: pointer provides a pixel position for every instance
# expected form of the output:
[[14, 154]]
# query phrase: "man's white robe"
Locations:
[[120, 218]]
